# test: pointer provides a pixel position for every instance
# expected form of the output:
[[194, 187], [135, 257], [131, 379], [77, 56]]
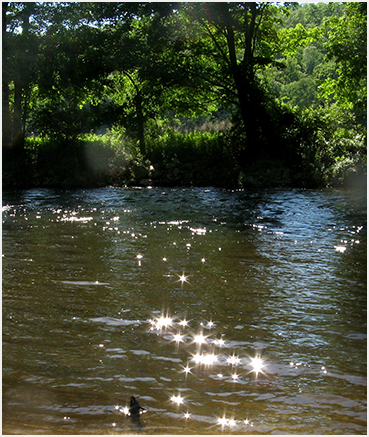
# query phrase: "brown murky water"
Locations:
[[170, 295]]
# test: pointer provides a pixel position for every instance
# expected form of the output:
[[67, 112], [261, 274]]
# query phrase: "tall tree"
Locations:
[[347, 46], [19, 49], [235, 41], [103, 55]]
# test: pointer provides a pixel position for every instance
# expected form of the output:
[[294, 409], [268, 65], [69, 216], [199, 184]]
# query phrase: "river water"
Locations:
[[229, 312]]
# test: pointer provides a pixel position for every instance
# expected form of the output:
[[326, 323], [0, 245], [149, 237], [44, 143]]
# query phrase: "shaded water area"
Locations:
[[170, 295]]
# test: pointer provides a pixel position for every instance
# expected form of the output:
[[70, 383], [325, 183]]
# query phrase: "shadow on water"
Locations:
[[173, 295]]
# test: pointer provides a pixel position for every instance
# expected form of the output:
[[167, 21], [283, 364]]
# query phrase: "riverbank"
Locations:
[[192, 160], [263, 173]]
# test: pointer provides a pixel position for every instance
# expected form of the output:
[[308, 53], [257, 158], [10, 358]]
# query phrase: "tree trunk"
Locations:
[[6, 120], [21, 83], [18, 129], [243, 76], [140, 118], [140, 123]]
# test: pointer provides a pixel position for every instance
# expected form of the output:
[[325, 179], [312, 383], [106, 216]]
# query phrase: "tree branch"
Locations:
[[224, 56]]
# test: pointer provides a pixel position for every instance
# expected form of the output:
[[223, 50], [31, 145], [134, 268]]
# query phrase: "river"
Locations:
[[223, 312]]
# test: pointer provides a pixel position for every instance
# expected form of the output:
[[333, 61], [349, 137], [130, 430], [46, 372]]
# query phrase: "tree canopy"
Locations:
[[144, 69]]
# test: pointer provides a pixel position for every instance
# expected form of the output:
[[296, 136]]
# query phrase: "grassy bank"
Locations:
[[171, 159]]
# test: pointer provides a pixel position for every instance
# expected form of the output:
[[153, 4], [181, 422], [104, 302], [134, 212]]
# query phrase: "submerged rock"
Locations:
[[135, 409]]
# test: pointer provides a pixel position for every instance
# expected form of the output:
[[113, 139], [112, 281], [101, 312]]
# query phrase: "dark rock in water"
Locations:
[[135, 409], [140, 172], [145, 182]]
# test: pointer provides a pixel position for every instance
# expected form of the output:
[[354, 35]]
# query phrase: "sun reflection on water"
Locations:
[[187, 369], [222, 421], [199, 339], [182, 278], [178, 338], [203, 357], [257, 364], [235, 376], [233, 360], [178, 400]]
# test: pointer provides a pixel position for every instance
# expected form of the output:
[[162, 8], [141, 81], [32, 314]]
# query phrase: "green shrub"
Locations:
[[207, 156]]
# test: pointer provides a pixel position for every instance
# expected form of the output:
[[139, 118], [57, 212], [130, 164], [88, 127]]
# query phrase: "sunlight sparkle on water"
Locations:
[[222, 421], [187, 415], [183, 322], [182, 278], [219, 342], [187, 370], [177, 399], [257, 364], [233, 360], [231, 422], [125, 410], [206, 359], [177, 338], [199, 339], [162, 322]]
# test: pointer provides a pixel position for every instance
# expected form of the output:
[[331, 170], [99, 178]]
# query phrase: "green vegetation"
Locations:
[[226, 94]]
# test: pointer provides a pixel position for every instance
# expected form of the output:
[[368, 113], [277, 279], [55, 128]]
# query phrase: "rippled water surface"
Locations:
[[222, 312]]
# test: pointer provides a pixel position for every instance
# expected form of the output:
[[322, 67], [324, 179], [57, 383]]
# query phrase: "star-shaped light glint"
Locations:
[[205, 359], [257, 365], [187, 415], [183, 323], [177, 338], [199, 339], [187, 369], [177, 399], [233, 360], [222, 421], [234, 376], [231, 422], [125, 411], [219, 342], [182, 278], [162, 322]]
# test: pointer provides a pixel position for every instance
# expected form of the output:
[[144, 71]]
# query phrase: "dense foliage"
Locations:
[[229, 94]]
